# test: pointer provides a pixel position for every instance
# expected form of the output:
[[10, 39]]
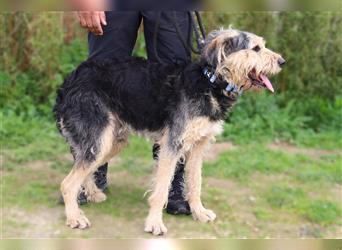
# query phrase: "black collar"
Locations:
[[231, 87]]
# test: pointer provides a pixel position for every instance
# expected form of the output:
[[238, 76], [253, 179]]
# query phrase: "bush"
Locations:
[[310, 42], [260, 116], [43, 48]]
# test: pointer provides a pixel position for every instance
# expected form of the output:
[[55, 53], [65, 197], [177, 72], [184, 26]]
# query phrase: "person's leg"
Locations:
[[170, 49], [119, 36], [117, 41], [169, 46], [176, 199]]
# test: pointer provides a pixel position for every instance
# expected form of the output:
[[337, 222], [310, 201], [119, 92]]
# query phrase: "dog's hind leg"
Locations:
[[193, 172], [164, 173], [108, 146], [69, 188]]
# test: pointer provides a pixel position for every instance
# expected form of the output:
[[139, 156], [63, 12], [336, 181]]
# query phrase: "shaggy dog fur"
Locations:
[[178, 106]]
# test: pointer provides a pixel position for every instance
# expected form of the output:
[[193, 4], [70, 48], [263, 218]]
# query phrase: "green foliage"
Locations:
[[37, 59], [260, 116], [140, 46], [310, 42], [29, 138], [305, 110], [32, 93]]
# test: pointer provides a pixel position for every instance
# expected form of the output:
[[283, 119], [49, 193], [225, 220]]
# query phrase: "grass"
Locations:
[[126, 202], [26, 139], [322, 211], [242, 162], [296, 200], [262, 214], [255, 190]]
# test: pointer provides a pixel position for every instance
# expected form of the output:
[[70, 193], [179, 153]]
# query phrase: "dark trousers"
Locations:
[[120, 35], [121, 31]]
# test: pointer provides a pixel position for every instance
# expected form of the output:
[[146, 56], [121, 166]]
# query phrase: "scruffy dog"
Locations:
[[180, 107]]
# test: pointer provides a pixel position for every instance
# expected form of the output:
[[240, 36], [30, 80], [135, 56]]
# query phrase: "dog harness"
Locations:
[[230, 86]]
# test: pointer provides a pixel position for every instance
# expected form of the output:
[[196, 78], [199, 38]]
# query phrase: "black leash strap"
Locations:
[[199, 20], [155, 37], [196, 26]]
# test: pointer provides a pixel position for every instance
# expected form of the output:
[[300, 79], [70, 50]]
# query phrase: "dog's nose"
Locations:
[[281, 62]]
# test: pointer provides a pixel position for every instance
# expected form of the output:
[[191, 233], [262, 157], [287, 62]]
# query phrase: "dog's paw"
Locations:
[[97, 197], [204, 215], [78, 220], [155, 226]]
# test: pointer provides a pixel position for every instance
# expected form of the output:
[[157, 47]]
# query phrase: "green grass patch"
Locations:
[[28, 189], [27, 139], [62, 166], [245, 160], [262, 214], [30, 138], [295, 200], [124, 201], [13, 223], [322, 211], [284, 197], [136, 158], [327, 169], [240, 163]]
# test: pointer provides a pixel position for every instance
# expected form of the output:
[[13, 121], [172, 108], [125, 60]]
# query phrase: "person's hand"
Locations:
[[93, 21]]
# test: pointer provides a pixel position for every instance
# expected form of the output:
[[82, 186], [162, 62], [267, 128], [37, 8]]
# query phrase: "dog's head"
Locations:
[[242, 58]]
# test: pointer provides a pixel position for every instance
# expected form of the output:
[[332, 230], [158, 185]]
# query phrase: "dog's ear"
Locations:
[[216, 46], [211, 52], [236, 43], [212, 45]]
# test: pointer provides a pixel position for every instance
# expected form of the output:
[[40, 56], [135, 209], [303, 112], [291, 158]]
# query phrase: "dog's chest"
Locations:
[[200, 128]]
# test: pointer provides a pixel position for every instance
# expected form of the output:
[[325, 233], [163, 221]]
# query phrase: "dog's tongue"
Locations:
[[267, 82]]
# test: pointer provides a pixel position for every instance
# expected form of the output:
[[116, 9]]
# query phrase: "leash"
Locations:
[[200, 38], [196, 26]]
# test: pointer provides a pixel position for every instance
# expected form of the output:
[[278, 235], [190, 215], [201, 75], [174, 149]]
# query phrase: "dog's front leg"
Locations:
[[194, 182], [165, 171]]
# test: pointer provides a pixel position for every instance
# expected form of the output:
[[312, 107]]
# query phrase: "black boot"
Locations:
[[100, 177], [176, 201]]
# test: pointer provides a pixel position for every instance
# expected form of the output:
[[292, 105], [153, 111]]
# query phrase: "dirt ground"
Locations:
[[233, 201]]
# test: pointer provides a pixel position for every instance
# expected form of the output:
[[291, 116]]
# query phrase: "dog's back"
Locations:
[[141, 94], [138, 91]]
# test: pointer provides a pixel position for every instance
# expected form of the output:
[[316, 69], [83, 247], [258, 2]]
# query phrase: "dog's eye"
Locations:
[[256, 48]]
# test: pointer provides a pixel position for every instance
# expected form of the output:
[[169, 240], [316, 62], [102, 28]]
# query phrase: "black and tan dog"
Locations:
[[180, 107]]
